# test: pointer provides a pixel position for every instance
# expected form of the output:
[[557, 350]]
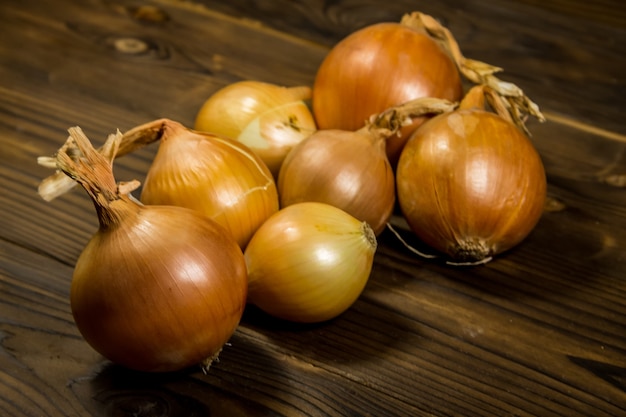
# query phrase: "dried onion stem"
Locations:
[[134, 139], [508, 99], [392, 120]]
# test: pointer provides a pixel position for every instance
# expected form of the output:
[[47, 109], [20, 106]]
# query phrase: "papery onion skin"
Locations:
[[267, 118], [216, 176], [471, 184], [309, 262], [163, 291], [375, 68], [348, 170]]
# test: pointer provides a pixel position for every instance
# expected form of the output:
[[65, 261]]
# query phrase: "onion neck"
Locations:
[[93, 170], [299, 93], [413, 21], [474, 99], [113, 211], [390, 122], [483, 97]]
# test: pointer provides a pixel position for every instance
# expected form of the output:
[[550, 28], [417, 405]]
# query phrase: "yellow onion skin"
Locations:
[[216, 176], [161, 291], [309, 262], [375, 68], [470, 184], [267, 118], [348, 170]]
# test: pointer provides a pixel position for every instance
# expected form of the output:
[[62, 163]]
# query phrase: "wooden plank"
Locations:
[[539, 331]]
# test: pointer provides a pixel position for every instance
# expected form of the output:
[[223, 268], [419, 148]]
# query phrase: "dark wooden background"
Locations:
[[540, 331]]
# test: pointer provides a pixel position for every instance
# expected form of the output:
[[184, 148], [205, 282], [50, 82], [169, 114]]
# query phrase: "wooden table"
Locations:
[[539, 331]]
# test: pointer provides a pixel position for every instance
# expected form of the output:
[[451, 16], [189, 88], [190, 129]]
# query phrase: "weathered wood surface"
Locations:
[[540, 331]]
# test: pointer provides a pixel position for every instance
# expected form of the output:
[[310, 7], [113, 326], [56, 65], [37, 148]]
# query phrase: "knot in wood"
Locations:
[[132, 46]]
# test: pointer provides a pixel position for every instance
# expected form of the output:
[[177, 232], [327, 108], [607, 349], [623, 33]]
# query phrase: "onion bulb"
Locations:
[[267, 118], [377, 67], [157, 288], [216, 176], [350, 169], [470, 183], [309, 262]]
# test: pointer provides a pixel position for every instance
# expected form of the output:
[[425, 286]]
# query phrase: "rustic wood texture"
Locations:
[[540, 331]]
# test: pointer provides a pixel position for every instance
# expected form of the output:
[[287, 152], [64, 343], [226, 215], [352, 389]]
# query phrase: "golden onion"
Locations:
[[309, 262], [470, 183], [156, 288], [216, 176], [381, 66]]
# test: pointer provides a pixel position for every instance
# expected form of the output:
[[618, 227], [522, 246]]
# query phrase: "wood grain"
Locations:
[[540, 331]]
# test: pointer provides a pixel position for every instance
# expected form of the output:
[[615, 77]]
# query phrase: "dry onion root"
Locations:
[[157, 288]]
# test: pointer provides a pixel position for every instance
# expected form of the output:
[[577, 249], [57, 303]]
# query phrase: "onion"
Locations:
[[350, 169], [470, 183], [157, 288], [216, 176], [309, 262], [267, 118], [378, 67]]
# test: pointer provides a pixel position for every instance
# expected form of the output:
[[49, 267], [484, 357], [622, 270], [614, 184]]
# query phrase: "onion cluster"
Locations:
[[274, 203], [350, 169]]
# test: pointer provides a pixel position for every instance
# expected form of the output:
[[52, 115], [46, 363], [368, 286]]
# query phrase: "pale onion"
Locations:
[[380, 66], [216, 176], [309, 262], [470, 183], [350, 169], [156, 288], [267, 118]]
